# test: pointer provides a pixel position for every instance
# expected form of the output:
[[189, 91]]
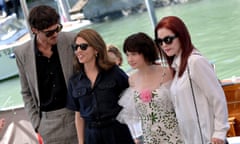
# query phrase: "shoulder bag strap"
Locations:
[[194, 100]]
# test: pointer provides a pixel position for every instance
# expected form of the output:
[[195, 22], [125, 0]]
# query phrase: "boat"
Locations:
[[20, 37], [14, 32], [99, 11], [80, 14], [18, 128], [231, 89]]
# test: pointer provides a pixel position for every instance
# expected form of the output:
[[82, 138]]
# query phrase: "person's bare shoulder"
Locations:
[[166, 72]]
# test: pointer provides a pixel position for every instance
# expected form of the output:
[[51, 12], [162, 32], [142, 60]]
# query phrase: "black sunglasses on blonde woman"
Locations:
[[82, 46], [166, 40], [52, 32]]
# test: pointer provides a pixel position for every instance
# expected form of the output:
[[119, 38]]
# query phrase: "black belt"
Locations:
[[100, 123]]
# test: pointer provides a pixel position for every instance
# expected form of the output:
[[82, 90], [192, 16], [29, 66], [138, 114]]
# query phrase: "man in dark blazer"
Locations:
[[45, 65]]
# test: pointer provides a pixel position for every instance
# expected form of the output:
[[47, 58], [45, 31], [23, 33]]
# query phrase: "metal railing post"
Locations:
[[25, 14], [151, 12]]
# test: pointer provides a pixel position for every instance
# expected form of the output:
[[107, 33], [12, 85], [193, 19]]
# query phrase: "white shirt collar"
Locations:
[[176, 62]]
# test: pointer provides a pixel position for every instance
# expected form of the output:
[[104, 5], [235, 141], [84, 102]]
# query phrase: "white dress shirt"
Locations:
[[210, 101]]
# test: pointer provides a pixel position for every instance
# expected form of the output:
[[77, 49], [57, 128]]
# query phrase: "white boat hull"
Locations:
[[7, 64]]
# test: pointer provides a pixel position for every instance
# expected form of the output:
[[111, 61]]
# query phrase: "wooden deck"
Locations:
[[232, 92]]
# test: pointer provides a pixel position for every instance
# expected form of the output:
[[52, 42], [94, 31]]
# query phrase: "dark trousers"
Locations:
[[111, 132]]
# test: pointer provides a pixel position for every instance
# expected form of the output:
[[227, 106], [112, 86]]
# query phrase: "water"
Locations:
[[213, 25]]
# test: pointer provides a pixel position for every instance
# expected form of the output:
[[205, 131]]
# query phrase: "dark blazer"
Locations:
[[26, 62]]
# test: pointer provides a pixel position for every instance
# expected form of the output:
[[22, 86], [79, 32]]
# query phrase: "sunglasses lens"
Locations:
[[81, 46], [166, 40], [50, 33], [159, 41], [74, 47]]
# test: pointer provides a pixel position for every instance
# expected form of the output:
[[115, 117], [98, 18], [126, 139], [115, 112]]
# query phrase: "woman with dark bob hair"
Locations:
[[147, 99], [197, 96], [94, 91]]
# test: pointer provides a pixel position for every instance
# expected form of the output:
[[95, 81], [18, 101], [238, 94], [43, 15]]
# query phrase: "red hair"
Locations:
[[177, 26]]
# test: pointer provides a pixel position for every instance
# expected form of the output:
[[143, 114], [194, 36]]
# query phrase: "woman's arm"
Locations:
[[79, 122]]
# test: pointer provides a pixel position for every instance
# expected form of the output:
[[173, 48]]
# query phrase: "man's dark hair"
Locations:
[[42, 17]]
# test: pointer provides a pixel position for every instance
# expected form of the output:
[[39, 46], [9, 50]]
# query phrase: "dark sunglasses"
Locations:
[[82, 46], [52, 32], [166, 40]]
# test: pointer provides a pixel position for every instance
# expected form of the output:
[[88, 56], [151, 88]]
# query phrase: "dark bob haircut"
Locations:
[[142, 44]]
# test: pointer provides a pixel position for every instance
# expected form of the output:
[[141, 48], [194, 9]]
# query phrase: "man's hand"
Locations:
[[2, 123]]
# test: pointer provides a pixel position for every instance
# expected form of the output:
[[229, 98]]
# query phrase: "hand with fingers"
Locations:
[[217, 141], [2, 123]]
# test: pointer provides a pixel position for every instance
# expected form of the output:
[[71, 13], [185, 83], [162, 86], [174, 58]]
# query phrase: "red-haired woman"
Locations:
[[197, 96]]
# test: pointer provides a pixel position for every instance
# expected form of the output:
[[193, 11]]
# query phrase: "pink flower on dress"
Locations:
[[146, 95]]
